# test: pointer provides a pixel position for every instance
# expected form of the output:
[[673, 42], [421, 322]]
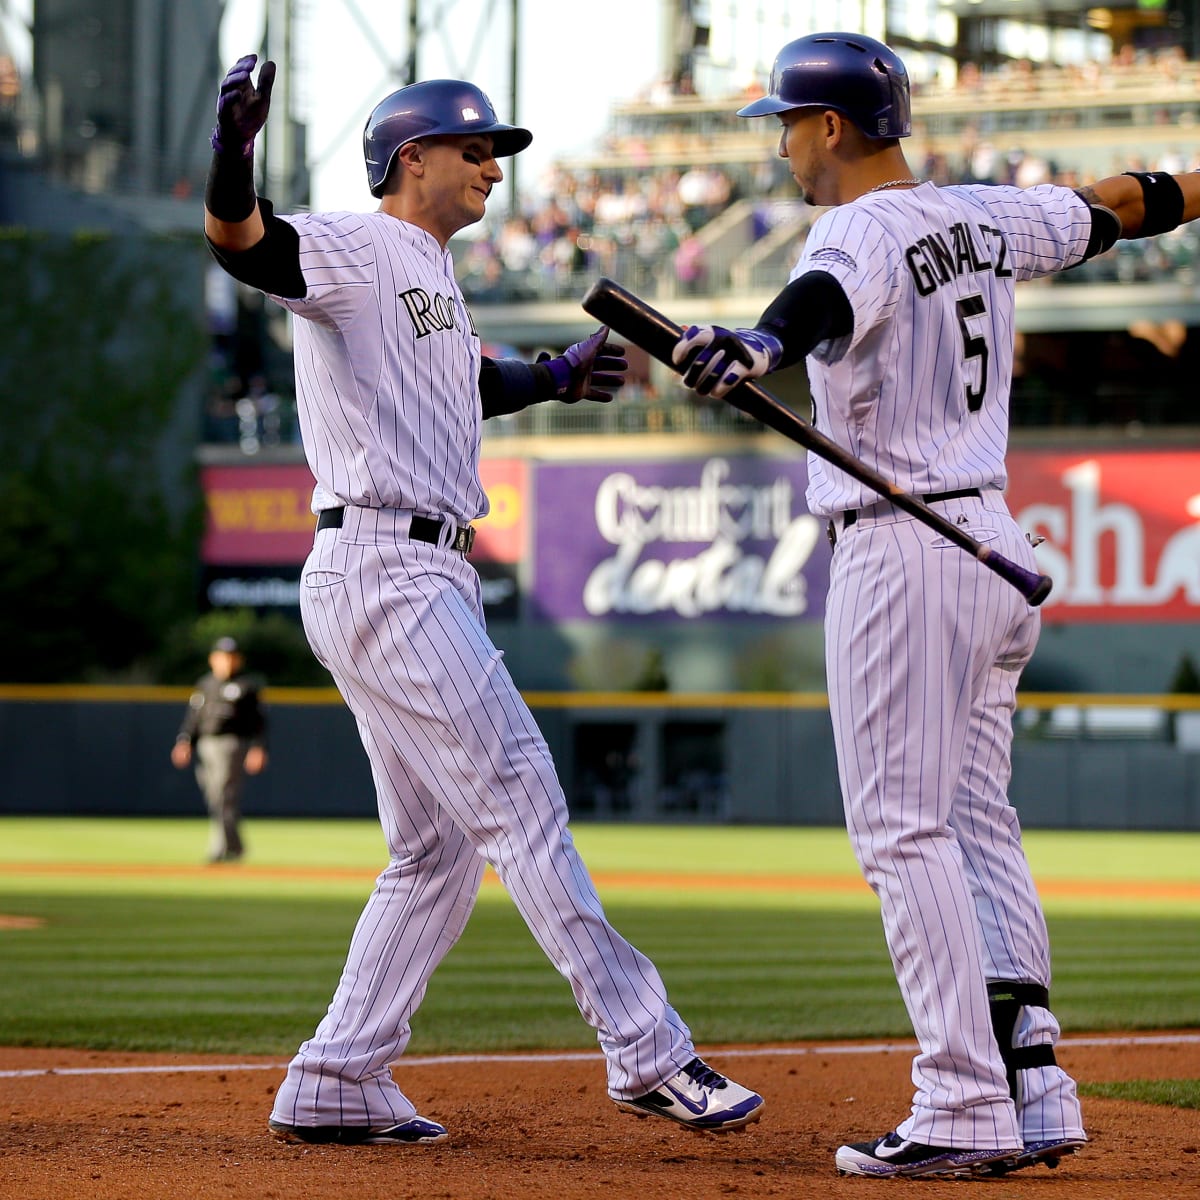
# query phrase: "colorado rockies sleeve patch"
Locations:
[[831, 254]]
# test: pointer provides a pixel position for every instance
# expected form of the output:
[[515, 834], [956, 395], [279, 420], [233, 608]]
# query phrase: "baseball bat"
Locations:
[[633, 318]]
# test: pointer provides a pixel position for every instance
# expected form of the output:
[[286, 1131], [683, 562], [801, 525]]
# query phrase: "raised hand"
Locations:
[[593, 369], [242, 108], [715, 359]]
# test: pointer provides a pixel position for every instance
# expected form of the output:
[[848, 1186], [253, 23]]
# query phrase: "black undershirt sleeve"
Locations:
[[812, 309], [229, 192], [272, 264], [508, 385]]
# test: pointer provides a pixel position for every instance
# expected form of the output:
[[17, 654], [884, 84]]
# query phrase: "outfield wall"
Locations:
[[1088, 762]]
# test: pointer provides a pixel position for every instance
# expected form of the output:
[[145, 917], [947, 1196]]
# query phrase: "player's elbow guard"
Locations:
[[1106, 230]]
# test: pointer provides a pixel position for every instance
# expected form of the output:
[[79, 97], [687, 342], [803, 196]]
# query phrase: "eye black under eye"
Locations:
[[473, 158]]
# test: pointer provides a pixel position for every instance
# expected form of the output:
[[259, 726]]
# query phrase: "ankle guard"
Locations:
[[1007, 998]]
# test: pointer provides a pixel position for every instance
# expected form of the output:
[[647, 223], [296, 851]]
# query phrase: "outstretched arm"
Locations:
[[1144, 203], [593, 369], [231, 217]]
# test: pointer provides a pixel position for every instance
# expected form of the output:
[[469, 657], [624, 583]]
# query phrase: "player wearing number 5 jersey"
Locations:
[[928, 273], [392, 391], [903, 303]]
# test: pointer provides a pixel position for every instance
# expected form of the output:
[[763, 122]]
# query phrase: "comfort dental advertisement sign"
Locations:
[[714, 537]]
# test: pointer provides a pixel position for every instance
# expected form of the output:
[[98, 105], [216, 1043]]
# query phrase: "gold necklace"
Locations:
[[891, 183]]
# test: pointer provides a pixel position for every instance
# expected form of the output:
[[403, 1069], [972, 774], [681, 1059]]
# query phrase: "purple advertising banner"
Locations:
[[720, 537]]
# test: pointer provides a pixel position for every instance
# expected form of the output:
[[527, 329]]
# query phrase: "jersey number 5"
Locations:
[[974, 346]]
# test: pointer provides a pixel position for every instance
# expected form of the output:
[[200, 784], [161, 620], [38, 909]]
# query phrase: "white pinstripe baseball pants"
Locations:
[[924, 648], [462, 775]]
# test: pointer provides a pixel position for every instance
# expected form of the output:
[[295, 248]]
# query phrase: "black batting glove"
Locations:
[[242, 108], [593, 369]]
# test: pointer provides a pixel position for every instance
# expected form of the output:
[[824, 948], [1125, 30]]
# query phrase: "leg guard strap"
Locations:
[[1007, 998]]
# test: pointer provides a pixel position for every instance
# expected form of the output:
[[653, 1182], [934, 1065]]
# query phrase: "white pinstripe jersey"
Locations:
[[920, 390], [387, 368]]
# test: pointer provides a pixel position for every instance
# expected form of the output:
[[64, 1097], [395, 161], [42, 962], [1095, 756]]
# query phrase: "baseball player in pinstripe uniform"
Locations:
[[391, 390], [903, 302]]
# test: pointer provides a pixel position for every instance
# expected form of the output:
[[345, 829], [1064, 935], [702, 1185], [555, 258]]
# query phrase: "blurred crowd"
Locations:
[[652, 225], [1160, 69], [644, 228], [622, 224]]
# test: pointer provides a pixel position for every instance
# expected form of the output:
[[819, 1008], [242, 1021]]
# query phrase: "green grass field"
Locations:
[[124, 942]]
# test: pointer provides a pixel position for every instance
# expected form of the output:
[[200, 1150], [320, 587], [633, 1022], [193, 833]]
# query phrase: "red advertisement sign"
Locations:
[[259, 515], [1122, 531]]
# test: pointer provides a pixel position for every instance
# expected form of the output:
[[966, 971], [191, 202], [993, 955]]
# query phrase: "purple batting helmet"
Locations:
[[421, 110], [857, 76]]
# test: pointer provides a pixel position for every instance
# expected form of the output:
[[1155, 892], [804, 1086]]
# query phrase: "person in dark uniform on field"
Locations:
[[224, 734]]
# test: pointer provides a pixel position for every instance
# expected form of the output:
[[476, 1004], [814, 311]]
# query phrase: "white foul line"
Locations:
[[437, 1060]]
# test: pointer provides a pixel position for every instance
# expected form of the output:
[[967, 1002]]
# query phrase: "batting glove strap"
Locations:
[[715, 360], [245, 150]]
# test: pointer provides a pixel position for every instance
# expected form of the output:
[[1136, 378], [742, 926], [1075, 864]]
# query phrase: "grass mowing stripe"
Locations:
[[253, 974], [495, 990], [1175, 1093], [223, 961]]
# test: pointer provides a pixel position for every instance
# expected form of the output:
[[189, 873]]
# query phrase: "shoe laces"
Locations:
[[701, 1074]]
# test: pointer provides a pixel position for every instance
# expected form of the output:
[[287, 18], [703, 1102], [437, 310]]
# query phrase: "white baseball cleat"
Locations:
[[700, 1098]]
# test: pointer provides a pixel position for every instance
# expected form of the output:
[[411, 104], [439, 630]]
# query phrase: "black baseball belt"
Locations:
[[844, 520], [420, 529]]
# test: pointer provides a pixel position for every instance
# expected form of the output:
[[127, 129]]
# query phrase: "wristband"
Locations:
[[1163, 199], [552, 376], [229, 193]]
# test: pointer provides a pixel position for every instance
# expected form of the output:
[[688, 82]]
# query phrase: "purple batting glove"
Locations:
[[589, 370], [715, 360], [241, 109]]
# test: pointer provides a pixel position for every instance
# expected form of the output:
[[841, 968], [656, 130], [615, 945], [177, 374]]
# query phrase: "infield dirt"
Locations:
[[543, 1130]]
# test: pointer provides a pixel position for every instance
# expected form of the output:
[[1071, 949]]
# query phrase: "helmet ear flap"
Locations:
[[391, 171]]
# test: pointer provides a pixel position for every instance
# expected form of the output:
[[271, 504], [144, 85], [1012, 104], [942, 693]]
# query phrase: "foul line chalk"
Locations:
[[438, 1060]]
